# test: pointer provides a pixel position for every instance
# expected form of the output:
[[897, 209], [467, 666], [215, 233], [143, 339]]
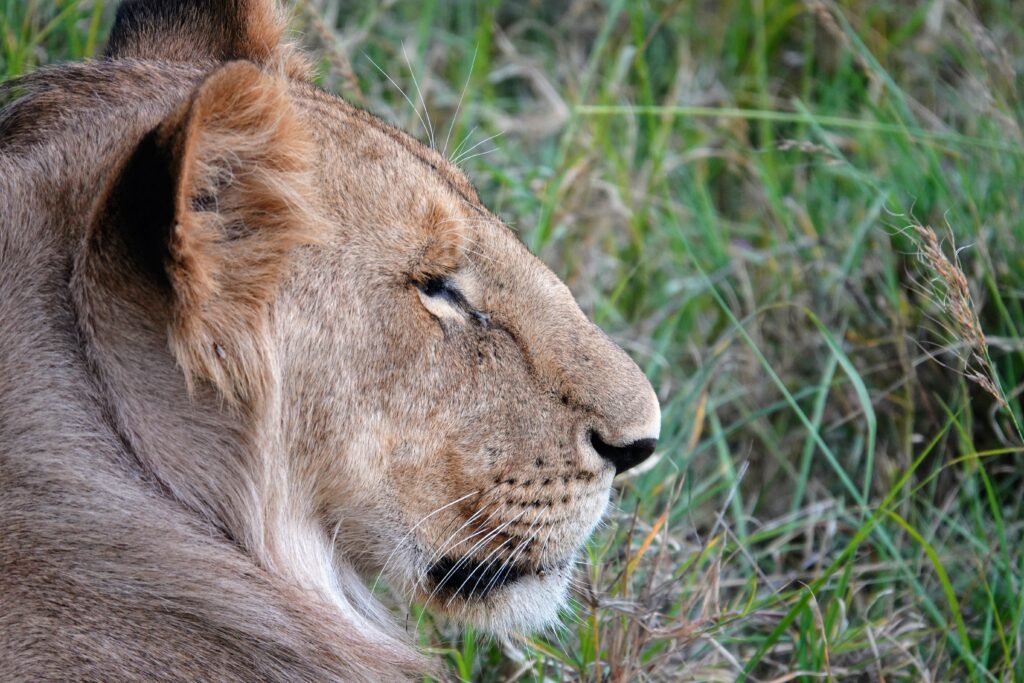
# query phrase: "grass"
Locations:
[[804, 220]]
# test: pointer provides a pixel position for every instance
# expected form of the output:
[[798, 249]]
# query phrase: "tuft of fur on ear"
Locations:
[[240, 167], [199, 31]]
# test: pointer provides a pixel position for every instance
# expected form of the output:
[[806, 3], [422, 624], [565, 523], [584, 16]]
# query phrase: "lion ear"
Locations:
[[196, 30], [210, 204]]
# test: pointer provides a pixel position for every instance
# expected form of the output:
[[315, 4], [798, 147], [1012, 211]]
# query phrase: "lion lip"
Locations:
[[469, 579]]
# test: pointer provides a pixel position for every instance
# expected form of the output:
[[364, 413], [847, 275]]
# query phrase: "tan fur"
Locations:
[[229, 396], [243, 149]]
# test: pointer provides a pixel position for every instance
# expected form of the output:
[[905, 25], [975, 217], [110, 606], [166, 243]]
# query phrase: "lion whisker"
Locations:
[[508, 561], [458, 107], [501, 568], [479, 154], [399, 88], [465, 140], [465, 557], [459, 158], [451, 536], [482, 255], [402, 540], [468, 554], [464, 221], [445, 548], [477, 208], [482, 568], [416, 84]]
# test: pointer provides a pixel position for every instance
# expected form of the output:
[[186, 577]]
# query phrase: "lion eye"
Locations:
[[442, 288], [444, 299]]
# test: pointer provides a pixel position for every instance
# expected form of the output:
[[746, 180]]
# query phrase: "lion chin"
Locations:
[[513, 601], [500, 598], [529, 604], [258, 347]]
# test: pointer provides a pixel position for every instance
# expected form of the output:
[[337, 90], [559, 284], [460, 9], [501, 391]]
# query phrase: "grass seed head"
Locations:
[[951, 289]]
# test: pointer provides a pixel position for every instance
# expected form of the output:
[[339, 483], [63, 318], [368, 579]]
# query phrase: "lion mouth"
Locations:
[[469, 579]]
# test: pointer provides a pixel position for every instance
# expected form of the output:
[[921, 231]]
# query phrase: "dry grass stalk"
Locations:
[[959, 306]]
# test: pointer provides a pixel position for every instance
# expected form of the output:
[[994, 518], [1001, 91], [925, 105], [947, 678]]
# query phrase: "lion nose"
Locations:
[[623, 457]]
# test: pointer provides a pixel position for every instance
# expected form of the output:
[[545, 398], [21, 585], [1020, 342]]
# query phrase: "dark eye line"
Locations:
[[440, 286], [437, 285]]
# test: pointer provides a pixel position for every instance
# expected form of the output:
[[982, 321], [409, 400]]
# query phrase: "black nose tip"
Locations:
[[623, 457]]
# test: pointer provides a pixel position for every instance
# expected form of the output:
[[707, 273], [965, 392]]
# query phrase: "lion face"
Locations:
[[388, 381], [264, 349], [463, 418]]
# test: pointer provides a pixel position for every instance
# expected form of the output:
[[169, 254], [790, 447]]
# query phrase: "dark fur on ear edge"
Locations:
[[199, 31], [211, 204]]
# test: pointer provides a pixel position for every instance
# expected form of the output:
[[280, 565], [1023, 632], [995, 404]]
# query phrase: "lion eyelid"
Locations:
[[443, 288]]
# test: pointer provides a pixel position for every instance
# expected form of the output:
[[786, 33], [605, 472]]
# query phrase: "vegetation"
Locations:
[[804, 219]]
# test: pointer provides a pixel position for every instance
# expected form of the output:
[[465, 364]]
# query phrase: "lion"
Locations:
[[259, 348]]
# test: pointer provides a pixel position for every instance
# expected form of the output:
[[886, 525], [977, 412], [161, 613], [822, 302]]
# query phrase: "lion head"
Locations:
[[310, 333]]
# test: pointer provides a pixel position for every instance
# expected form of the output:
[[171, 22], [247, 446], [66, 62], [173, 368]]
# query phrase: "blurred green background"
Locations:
[[803, 219]]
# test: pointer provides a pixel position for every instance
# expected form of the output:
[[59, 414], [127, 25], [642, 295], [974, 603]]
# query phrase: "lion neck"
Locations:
[[226, 465]]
